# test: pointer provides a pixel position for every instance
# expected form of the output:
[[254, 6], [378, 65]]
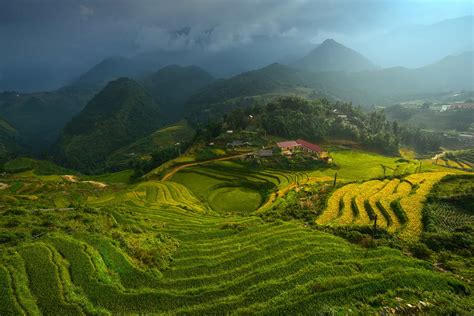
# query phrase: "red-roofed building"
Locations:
[[289, 147], [309, 147]]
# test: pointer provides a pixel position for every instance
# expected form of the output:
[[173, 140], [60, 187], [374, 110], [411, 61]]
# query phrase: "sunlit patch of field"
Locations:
[[397, 204]]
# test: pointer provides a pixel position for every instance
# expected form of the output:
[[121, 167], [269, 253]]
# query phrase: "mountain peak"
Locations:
[[329, 41], [333, 56]]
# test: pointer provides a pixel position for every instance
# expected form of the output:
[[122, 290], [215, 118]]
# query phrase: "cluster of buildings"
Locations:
[[291, 147], [457, 106], [295, 147], [287, 148]]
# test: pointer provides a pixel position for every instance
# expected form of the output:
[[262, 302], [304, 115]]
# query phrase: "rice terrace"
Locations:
[[225, 158]]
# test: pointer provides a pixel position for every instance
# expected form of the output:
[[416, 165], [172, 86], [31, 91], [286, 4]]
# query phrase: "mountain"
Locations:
[[41, 116], [415, 46], [9, 141], [452, 73], [382, 87], [272, 78], [107, 70], [161, 139], [333, 56], [172, 85], [118, 115]]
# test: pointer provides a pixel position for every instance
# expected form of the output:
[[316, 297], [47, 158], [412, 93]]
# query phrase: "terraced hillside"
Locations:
[[155, 248], [397, 203], [462, 159], [230, 187]]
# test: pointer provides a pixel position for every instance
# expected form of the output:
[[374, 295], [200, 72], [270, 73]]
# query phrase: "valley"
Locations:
[[253, 158]]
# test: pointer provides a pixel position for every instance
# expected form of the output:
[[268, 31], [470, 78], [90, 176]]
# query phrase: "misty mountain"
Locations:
[[172, 85], [118, 115], [382, 87], [419, 45], [333, 56], [453, 73], [272, 78], [107, 70], [41, 116]]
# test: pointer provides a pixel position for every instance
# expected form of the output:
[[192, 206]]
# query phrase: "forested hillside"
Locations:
[[119, 115], [9, 141], [171, 86], [319, 120], [40, 117], [381, 87]]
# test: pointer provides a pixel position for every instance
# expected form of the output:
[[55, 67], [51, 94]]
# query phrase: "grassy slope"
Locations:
[[179, 132]]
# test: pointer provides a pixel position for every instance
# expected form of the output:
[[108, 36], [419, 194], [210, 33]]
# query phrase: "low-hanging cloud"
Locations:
[[74, 34]]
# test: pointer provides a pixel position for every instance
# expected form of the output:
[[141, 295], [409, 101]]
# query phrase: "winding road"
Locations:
[[186, 165]]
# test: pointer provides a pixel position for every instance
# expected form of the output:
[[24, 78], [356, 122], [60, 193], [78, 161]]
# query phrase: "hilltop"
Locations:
[[382, 86], [118, 115], [172, 85], [333, 56], [107, 70]]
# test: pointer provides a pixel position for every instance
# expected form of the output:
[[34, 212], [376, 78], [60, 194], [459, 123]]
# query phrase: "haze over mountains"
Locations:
[[331, 70], [415, 46], [332, 56], [410, 45]]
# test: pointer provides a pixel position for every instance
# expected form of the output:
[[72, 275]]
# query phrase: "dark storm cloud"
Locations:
[[71, 34]]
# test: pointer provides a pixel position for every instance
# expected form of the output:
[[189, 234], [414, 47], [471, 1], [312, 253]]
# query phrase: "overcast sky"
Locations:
[[70, 34]]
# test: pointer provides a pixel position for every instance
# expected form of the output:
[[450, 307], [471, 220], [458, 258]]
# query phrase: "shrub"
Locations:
[[420, 251], [461, 242]]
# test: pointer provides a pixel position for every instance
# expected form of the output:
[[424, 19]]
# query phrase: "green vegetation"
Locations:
[[293, 117], [449, 224], [397, 204], [211, 240], [40, 167], [40, 117], [432, 119], [10, 142], [236, 199], [173, 85], [230, 186], [155, 247], [462, 159], [117, 116]]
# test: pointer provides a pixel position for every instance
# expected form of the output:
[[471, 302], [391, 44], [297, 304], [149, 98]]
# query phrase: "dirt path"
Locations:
[[180, 167]]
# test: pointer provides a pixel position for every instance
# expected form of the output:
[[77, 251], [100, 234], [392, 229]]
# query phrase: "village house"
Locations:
[[309, 147], [288, 148]]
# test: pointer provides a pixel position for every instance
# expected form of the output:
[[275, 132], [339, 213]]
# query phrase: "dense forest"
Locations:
[[318, 120]]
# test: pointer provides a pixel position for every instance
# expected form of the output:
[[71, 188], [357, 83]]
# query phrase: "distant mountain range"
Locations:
[[411, 46], [382, 87], [331, 71], [418, 45], [40, 117]]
